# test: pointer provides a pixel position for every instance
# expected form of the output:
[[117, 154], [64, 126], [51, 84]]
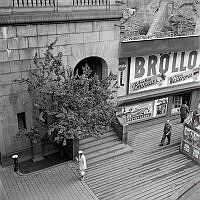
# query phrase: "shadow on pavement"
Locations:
[[48, 161]]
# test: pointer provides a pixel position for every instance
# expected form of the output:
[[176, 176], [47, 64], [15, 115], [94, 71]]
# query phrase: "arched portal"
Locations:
[[96, 64]]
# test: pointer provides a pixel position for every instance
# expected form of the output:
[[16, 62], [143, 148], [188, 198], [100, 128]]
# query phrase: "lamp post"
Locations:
[[15, 160]]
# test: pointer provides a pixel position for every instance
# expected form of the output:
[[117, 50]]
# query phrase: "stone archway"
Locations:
[[96, 64]]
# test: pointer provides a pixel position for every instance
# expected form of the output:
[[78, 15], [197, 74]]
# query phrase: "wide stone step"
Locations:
[[132, 186], [101, 147], [105, 151], [126, 149], [150, 172], [131, 159], [161, 188], [170, 180], [87, 145], [93, 139], [138, 173]]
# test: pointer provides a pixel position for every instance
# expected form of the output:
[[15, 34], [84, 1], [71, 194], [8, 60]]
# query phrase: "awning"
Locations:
[[159, 45]]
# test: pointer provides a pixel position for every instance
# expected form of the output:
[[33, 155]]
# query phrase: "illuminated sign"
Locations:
[[162, 70]]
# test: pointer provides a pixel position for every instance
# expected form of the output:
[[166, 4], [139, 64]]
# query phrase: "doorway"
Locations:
[[186, 97]]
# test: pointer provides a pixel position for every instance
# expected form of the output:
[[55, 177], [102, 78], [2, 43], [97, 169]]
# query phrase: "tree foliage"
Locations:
[[74, 105]]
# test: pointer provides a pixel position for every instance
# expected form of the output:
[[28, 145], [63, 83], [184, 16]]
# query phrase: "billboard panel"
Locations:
[[163, 70]]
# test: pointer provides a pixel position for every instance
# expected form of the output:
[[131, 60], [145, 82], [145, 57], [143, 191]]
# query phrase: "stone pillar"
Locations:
[[125, 134], [169, 107]]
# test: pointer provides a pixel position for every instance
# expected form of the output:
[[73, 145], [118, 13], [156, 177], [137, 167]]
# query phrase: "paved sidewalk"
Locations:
[[60, 182]]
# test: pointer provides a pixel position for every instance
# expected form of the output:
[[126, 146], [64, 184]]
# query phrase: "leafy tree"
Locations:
[[72, 105]]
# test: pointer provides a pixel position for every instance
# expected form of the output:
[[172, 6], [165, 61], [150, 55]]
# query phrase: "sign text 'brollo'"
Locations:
[[161, 70]]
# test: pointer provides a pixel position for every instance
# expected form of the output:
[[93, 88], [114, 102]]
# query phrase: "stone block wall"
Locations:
[[18, 45]]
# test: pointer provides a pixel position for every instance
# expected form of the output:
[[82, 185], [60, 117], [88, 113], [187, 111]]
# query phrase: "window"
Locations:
[[177, 101], [21, 120]]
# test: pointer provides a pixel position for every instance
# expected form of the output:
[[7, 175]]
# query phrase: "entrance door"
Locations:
[[178, 101]]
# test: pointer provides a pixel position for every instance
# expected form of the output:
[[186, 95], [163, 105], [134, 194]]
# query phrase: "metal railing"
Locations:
[[33, 3], [90, 2], [62, 5]]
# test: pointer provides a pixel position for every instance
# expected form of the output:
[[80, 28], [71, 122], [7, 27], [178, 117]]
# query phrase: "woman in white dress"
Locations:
[[82, 164]]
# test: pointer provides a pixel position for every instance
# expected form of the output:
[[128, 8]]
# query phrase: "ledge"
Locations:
[[58, 17]]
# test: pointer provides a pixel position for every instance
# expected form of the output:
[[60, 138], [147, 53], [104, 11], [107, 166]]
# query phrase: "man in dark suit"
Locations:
[[166, 133], [184, 110]]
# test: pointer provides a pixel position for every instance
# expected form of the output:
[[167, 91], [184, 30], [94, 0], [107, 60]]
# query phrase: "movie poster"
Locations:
[[160, 108]]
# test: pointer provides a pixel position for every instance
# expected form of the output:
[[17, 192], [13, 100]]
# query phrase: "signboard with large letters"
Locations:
[[163, 70]]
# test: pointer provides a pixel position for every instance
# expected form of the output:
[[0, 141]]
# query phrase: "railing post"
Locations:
[[125, 134]]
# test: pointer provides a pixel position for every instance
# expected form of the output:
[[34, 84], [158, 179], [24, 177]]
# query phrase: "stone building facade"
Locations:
[[92, 35]]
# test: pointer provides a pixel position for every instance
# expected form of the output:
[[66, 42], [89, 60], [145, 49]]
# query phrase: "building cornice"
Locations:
[[58, 17]]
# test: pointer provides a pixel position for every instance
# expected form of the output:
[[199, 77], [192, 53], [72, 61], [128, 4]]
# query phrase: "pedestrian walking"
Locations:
[[184, 111], [82, 164], [166, 133]]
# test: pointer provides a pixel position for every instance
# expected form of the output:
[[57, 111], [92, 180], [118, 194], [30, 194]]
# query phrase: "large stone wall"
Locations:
[[18, 45]]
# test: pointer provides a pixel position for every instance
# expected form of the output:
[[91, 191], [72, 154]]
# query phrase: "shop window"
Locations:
[[21, 117], [177, 102]]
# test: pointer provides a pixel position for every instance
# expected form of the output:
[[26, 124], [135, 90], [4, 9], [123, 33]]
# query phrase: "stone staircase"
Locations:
[[108, 146], [150, 172]]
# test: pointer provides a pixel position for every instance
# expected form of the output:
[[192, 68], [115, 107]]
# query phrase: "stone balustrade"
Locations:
[[26, 6]]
